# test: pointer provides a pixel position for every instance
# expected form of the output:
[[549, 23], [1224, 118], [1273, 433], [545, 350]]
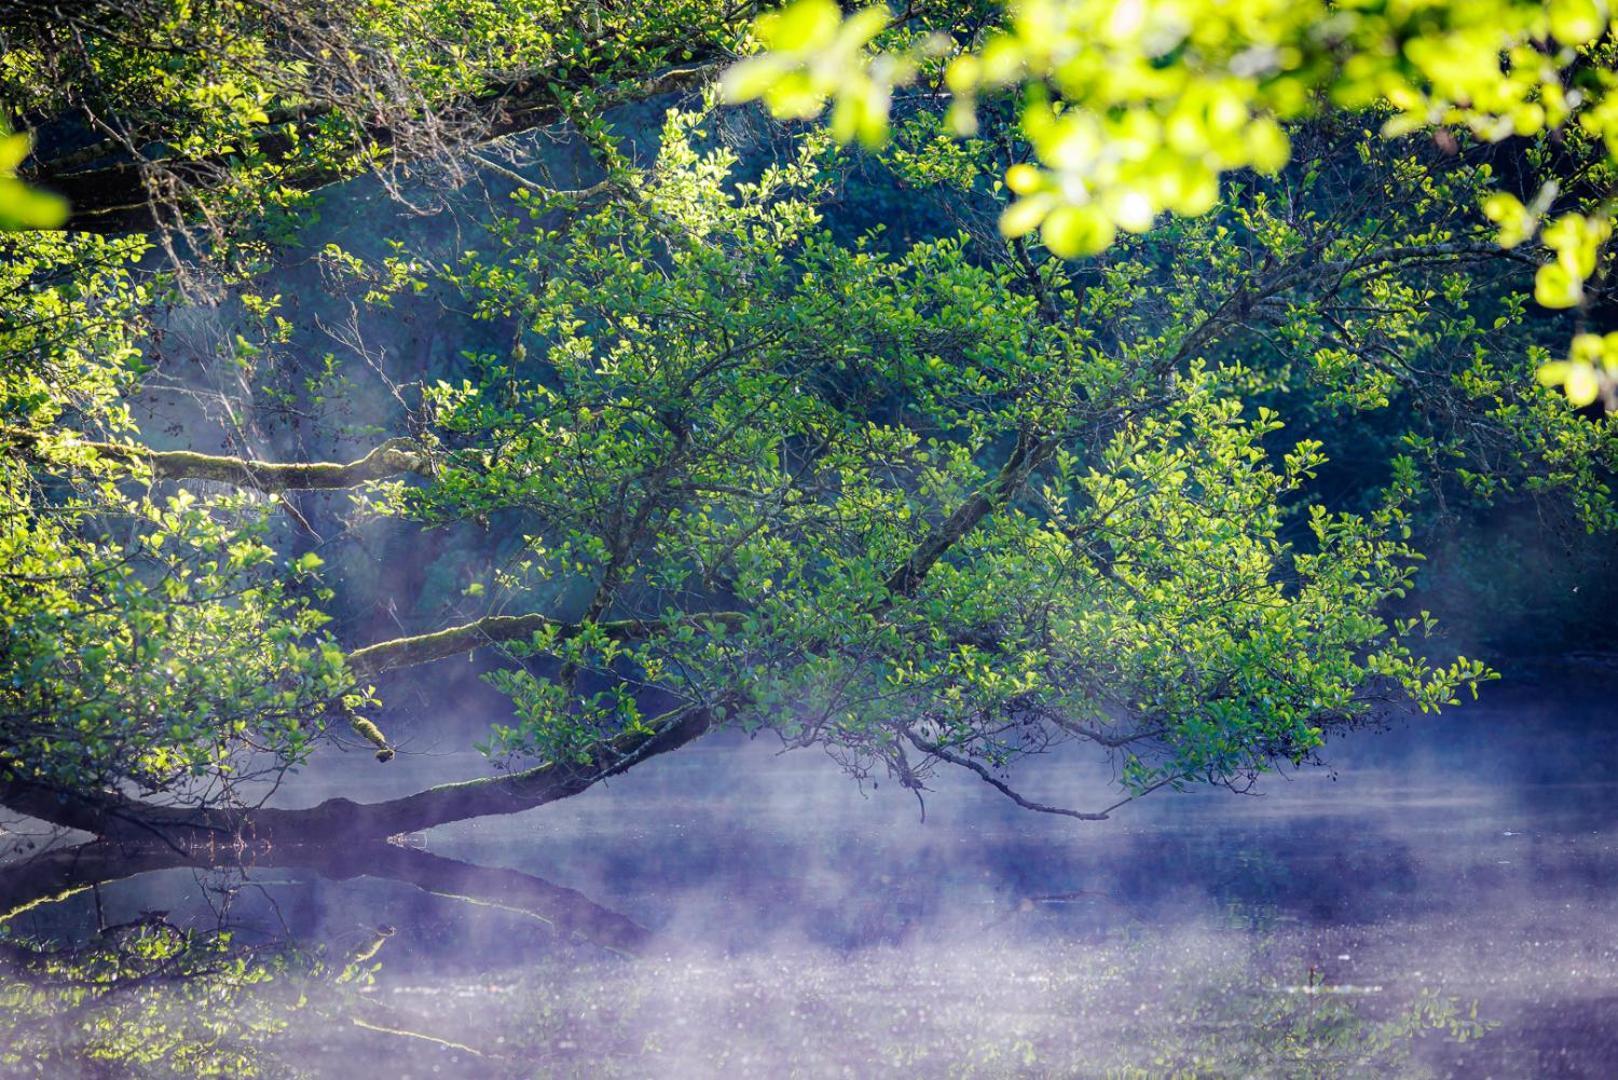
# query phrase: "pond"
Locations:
[[1443, 901]]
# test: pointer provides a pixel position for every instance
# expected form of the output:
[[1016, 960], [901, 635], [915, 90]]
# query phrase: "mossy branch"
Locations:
[[373, 734], [392, 458]]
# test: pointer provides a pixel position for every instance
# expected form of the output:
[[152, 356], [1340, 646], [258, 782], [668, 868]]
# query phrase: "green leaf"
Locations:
[[1576, 22], [1555, 287], [1023, 216], [800, 26], [23, 207], [13, 151], [1075, 231], [1583, 386], [751, 78]]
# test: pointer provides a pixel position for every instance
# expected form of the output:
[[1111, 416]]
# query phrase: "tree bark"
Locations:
[[1029, 454], [494, 629], [372, 660]]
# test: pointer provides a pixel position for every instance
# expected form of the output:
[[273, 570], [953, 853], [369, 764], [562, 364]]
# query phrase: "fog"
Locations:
[[730, 910]]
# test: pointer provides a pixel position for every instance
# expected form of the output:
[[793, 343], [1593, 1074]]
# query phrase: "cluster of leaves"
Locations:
[[166, 657], [1131, 109], [228, 117], [23, 207]]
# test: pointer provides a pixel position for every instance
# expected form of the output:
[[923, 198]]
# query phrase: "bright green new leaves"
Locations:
[[1132, 109], [1516, 222], [1576, 241], [1577, 22], [1589, 370], [151, 638], [21, 206], [234, 113], [811, 54], [161, 663]]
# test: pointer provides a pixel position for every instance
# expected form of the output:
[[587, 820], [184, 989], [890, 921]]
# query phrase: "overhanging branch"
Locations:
[[1030, 453], [116, 197], [995, 782], [114, 816]]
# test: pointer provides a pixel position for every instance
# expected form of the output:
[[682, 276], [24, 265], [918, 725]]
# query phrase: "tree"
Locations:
[[221, 121], [930, 500]]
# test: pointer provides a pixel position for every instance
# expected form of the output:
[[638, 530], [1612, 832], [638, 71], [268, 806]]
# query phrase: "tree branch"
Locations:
[[115, 198], [392, 458], [1030, 453], [114, 816], [494, 629]]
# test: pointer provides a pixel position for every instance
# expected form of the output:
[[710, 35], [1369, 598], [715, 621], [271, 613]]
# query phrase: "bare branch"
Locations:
[[995, 782]]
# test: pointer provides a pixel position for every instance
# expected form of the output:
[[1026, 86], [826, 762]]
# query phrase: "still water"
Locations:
[[1443, 902]]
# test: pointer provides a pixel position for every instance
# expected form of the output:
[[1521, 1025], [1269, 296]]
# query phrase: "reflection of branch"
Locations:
[[368, 1026], [57, 875], [511, 890], [63, 873]]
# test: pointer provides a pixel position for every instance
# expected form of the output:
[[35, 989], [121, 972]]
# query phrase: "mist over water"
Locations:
[[1441, 902]]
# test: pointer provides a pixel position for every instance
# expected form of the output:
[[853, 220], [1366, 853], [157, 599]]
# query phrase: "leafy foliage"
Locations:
[[1132, 109], [23, 207], [148, 637]]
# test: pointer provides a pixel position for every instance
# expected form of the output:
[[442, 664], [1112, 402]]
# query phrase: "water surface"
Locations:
[[1441, 902]]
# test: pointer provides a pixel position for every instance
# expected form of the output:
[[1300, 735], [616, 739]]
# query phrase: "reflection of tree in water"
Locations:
[[146, 996], [1313, 1030], [163, 995], [153, 997]]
